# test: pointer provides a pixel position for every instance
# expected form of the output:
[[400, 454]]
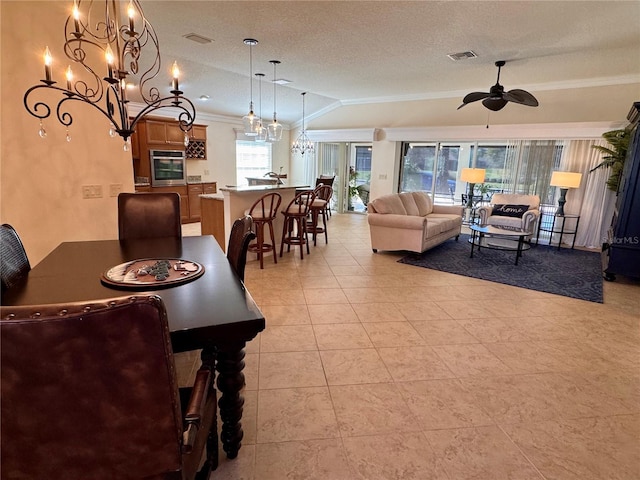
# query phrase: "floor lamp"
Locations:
[[472, 176], [564, 180]]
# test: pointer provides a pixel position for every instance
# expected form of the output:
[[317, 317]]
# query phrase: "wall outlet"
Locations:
[[206, 172], [382, 176], [115, 189], [92, 191]]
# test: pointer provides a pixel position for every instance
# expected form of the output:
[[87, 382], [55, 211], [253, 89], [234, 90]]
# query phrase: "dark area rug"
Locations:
[[572, 273]]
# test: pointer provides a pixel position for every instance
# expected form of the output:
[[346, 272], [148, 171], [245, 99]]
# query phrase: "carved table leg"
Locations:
[[208, 358], [230, 363]]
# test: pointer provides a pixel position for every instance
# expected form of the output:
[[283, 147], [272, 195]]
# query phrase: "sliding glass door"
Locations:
[[522, 166]]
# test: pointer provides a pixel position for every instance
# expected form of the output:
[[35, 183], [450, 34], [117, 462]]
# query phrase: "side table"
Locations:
[[558, 225]]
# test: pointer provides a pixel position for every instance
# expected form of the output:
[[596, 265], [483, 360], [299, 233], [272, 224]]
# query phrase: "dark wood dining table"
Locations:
[[214, 312]]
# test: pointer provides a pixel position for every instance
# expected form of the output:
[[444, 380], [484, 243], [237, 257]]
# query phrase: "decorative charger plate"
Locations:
[[152, 273]]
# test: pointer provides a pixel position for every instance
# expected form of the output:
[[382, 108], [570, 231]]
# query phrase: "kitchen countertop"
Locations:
[[259, 188]]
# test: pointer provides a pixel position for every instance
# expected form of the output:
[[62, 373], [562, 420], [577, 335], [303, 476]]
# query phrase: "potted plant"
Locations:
[[613, 157]]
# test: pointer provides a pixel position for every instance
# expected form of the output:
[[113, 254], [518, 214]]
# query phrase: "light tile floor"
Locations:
[[370, 369]]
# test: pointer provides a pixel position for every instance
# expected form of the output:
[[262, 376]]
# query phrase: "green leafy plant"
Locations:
[[353, 191], [614, 155]]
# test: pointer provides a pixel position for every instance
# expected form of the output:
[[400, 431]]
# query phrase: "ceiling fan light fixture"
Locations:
[[497, 98]]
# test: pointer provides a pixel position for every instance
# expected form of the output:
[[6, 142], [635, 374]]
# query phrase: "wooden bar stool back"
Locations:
[[294, 229], [263, 212]]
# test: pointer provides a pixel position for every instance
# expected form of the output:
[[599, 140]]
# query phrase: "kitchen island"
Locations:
[[220, 210]]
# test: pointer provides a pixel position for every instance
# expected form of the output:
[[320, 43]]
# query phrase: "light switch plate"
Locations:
[[91, 191], [115, 189]]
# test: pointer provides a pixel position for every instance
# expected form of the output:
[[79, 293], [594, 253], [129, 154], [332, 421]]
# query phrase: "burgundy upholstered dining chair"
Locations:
[[90, 391], [239, 239], [149, 215]]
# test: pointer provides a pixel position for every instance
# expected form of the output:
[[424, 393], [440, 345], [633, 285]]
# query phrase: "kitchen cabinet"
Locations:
[[195, 190], [213, 220], [135, 146], [197, 146], [162, 132], [190, 206], [198, 132]]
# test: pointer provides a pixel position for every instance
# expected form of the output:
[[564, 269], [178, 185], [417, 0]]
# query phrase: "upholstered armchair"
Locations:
[[509, 210]]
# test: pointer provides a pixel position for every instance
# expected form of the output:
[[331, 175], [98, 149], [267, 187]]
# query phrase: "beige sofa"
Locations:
[[410, 221]]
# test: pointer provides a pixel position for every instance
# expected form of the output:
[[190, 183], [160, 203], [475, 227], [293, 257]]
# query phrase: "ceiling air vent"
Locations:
[[194, 37], [461, 55]]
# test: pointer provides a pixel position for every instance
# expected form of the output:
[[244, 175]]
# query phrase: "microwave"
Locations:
[[168, 167]]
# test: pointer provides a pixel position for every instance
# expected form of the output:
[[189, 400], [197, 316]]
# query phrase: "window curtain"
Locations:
[[528, 166], [593, 201], [328, 158]]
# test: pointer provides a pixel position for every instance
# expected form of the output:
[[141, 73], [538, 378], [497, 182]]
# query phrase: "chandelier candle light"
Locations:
[[121, 46], [302, 143], [250, 120], [275, 128], [564, 180]]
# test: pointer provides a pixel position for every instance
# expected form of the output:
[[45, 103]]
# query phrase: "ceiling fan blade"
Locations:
[[521, 96], [473, 97], [494, 104]]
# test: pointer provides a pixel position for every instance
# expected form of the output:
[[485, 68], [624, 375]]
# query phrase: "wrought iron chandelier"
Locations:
[[302, 144], [88, 30]]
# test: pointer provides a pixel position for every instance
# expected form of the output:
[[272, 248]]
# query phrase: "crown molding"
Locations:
[[344, 135], [564, 85], [168, 112], [541, 131]]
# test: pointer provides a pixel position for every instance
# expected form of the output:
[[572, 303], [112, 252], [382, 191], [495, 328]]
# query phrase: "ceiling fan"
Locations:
[[497, 98]]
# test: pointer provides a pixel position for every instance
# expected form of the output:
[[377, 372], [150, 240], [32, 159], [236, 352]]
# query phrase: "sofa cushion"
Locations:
[[424, 203], [509, 210], [513, 223], [389, 204], [446, 221], [409, 204]]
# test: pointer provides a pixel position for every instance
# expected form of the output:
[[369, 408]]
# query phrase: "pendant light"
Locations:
[[275, 128], [250, 121], [302, 144], [261, 130]]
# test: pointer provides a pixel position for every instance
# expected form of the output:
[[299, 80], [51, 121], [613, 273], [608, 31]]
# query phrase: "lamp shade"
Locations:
[[472, 175], [565, 179]]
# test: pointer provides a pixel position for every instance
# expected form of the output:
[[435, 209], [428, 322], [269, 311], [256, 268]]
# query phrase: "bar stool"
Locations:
[[264, 212], [295, 215], [319, 208]]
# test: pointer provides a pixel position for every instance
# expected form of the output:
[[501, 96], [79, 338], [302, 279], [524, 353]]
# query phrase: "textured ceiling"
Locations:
[[349, 52]]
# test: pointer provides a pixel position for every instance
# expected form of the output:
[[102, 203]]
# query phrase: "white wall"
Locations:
[[41, 179]]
